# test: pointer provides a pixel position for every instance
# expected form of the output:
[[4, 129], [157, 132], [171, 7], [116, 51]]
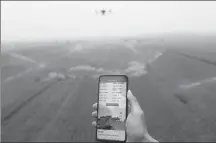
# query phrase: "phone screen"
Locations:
[[112, 108]]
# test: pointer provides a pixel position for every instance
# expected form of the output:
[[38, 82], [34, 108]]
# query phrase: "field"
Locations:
[[48, 89]]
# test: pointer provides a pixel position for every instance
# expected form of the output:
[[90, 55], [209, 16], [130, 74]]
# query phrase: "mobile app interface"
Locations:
[[112, 108]]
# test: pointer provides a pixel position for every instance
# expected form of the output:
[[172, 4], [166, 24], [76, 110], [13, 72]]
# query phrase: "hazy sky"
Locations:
[[35, 20]]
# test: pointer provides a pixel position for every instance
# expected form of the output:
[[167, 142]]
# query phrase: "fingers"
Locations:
[[95, 106], [94, 114], [133, 102], [94, 123]]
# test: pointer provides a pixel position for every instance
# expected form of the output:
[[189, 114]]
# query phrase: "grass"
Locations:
[[62, 112]]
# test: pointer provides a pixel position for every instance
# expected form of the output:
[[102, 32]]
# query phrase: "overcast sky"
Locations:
[[40, 20]]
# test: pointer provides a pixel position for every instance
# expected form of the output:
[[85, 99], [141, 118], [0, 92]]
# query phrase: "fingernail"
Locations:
[[129, 91]]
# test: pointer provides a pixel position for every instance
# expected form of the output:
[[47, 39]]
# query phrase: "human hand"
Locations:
[[135, 124]]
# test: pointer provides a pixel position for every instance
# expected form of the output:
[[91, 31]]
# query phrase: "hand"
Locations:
[[135, 124]]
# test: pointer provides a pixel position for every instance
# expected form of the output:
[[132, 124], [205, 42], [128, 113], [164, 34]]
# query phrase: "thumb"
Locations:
[[134, 104]]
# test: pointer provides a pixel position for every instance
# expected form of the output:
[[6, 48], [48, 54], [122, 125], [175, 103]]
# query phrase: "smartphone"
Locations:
[[112, 108]]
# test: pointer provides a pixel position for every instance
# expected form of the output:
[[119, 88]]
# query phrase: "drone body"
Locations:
[[103, 12]]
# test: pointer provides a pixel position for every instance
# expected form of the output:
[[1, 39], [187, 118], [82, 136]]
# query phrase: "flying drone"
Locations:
[[103, 11]]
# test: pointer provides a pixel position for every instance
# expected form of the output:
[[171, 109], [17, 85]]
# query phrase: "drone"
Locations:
[[103, 11]]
